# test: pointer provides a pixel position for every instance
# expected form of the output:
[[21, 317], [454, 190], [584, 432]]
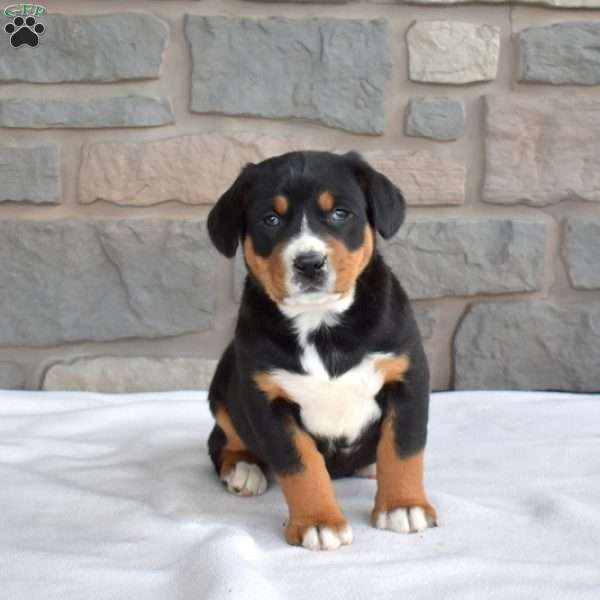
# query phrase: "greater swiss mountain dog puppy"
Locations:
[[326, 374]]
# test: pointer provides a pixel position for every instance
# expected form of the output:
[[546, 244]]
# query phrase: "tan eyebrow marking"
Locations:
[[326, 201], [280, 205]]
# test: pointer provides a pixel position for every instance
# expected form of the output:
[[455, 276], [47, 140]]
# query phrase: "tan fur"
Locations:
[[266, 384], [269, 271], [235, 450], [280, 205], [309, 494], [349, 264], [393, 368], [399, 480], [326, 201]]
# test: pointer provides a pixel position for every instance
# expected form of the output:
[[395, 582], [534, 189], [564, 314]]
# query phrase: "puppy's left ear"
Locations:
[[385, 203], [226, 219]]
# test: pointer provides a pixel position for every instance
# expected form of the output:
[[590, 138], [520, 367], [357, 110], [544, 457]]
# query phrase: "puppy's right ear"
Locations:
[[226, 219]]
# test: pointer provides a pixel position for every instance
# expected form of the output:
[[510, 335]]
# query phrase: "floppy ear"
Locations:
[[226, 219], [385, 202]]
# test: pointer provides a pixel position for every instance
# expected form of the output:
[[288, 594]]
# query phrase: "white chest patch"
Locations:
[[334, 407]]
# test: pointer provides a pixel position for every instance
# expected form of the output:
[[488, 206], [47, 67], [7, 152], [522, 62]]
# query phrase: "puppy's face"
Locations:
[[306, 221]]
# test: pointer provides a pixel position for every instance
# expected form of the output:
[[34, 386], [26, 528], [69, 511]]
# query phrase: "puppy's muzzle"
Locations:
[[310, 268], [310, 265]]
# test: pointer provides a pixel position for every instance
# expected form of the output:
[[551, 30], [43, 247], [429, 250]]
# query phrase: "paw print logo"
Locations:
[[24, 31]]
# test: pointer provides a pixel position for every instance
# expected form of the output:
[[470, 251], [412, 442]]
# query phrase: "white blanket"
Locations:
[[114, 497]]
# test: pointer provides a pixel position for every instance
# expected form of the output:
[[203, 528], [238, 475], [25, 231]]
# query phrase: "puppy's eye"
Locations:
[[338, 215], [272, 220]]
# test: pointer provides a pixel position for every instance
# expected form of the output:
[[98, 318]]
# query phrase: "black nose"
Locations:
[[309, 264]]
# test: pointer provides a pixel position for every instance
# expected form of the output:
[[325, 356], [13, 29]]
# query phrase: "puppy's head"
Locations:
[[307, 223]]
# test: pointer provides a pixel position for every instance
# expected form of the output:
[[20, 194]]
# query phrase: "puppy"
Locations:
[[326, 374]]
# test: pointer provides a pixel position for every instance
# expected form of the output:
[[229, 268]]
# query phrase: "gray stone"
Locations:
[[331, 71], [11, 376], [121, 111], [426, 320], [452, 52], [528, 346], [542, 151], [88, 48], [130, 374], [433, 259], [68, 280], [29, 174], [581, 252], [561, 54], [438, 118]]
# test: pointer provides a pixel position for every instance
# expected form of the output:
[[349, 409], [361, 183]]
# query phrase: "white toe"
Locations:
[[418, 520], [326, 538], [310, 539], [346, 535], [403, 520], [329, 539], [246, 479], [381, 522], [398, 520], [240, 476]]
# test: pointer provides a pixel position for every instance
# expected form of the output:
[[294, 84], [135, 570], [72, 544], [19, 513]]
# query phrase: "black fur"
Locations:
[[379, 320]]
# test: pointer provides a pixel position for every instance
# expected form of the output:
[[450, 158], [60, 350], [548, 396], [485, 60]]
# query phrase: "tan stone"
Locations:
[[129, 374], [542, 152], [424, 178], [197, 169], [192, 169], [453, 52]]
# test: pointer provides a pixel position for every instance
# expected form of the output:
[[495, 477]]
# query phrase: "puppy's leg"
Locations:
[[236, 466], [315, 519], [400, 504]]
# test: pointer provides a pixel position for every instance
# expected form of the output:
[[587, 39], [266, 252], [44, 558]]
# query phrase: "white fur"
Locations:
[[326, 538], [334, 406], [311, 311], [246, 479], [403, 520], [307, 241]]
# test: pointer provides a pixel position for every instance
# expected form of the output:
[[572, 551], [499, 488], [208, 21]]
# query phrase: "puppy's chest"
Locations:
[[335, 407]]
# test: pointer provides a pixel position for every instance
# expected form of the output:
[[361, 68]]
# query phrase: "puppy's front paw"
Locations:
[[246, 479], [319, 536], [410, 519]]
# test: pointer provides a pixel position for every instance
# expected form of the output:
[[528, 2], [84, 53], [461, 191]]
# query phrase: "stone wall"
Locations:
[[126, 122]]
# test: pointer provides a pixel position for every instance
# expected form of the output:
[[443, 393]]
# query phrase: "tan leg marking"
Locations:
[[266, 384], [309, 493], [280, 205], [269, 271], [399, 480], [348, 265], [393, 368], [326, 201]]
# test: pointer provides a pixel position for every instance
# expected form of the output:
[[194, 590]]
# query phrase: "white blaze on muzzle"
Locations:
[[304, 243]]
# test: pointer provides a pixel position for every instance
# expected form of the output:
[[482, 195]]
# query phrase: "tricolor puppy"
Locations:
[[326, 374]]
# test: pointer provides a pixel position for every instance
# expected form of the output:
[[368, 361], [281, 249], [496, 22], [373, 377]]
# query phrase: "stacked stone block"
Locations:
[[121, 129]]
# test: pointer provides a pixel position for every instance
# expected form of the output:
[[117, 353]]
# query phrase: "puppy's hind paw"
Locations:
[[246, 479]]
